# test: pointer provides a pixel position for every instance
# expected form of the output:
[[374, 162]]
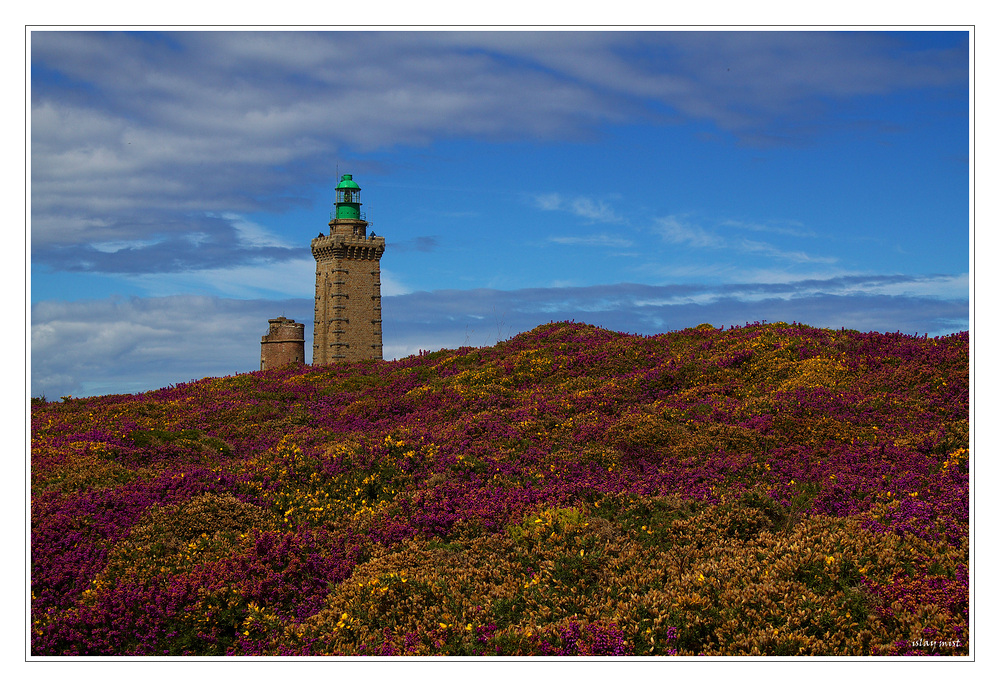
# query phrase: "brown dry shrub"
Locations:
[[84, 465], [203, 514]]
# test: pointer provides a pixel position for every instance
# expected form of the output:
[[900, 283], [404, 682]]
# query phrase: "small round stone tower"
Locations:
[[284, 344]]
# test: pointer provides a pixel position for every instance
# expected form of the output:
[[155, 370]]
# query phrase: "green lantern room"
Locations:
[[348, 198]]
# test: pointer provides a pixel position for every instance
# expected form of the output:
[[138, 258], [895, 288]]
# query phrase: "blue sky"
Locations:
[[642, 181]]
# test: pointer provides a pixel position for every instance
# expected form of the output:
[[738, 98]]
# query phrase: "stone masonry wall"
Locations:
[[283, 345], [348, 310]]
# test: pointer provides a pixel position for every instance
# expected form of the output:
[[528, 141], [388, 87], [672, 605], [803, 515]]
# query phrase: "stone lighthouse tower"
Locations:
[[348, 324]]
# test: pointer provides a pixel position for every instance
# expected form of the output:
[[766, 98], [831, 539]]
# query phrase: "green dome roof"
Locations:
[[347, 182]]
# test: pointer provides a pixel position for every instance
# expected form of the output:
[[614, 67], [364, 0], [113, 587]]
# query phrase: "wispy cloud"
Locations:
[[116, 246], [252, 235], [684, 232], [596, 211], [775, 252], [580, 206], [676, 230], [598, 240], [549, 201], [392, 285], [160, 245], [782, 228], [292, 278]]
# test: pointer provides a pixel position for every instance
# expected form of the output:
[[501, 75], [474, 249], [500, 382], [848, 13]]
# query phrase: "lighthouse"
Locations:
[[348, 317]]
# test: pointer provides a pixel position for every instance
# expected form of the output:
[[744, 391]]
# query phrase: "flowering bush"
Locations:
[[771, 489]]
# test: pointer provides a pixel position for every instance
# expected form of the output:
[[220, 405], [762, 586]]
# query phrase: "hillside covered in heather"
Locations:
[[771, 489]]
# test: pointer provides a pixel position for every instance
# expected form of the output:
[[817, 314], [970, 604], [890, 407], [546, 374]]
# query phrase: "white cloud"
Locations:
[[252, 235], [675, 230], [682, 232], [788, 228], [391, 284], [549, 201], [289, 279], [115, 246], [600, 240], [775, 252], [596, 211], [580, 206], [944, 286]]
